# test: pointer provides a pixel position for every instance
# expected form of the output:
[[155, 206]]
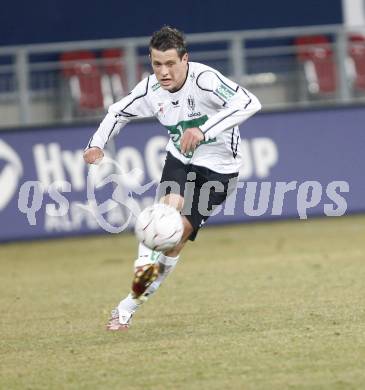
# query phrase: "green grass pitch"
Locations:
[[276, 305]]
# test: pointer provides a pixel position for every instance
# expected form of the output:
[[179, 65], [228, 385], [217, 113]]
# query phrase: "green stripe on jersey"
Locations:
[[176, 131]]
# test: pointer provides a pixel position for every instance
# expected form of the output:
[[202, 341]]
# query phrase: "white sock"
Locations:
[[167, 264], [146, 256], [128, 304]]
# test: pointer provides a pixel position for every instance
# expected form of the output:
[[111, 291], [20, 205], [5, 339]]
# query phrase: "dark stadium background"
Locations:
[[45, 21]]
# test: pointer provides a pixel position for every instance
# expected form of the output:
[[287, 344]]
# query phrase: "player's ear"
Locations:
[[150, 55], [185, 58]]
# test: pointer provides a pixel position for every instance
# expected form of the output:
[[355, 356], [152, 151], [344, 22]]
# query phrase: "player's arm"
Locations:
[[234, 104], [132, 106]]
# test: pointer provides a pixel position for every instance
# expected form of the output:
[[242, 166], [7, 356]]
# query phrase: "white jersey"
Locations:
[[207, 100]]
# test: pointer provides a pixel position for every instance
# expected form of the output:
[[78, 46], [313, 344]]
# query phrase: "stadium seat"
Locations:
[[84, 80], [114, 75], [316, 55], [357, 61]]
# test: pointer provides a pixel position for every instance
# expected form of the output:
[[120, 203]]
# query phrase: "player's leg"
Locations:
[[150, 270], [151, 267], [170, 192], [122, 315], [168, 260], [177, 201], [210, 190], [154, 268]]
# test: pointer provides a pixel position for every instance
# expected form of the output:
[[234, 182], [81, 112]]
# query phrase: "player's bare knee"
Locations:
[[174, 200]]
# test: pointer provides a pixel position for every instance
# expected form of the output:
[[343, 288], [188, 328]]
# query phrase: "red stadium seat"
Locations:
[[319, 66], [84, 78], [114, 68], [357, 55]]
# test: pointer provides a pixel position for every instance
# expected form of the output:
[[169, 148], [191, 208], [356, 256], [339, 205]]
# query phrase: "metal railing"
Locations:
[[32, 79]]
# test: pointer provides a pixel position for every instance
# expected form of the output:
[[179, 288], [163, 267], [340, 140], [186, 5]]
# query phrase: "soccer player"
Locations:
[[201, 110]]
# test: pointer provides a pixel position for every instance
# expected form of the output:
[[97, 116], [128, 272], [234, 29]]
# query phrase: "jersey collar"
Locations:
[[182, 85]]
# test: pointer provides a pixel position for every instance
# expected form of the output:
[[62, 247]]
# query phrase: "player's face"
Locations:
[[169, 68]]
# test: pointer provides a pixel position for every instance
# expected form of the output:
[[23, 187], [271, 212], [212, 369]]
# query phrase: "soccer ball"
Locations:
[[159, 227]]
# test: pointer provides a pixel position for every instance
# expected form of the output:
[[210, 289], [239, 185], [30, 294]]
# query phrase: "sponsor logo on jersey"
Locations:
[[192, 76], [175, 104], [10, 174], [224, 92], [194, 114], [176, 131]]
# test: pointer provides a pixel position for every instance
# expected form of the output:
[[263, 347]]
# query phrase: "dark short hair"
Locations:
[[169, 38]]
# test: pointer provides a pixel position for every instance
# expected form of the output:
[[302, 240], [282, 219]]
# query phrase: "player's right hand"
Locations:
[[191, 139], [93, 155]]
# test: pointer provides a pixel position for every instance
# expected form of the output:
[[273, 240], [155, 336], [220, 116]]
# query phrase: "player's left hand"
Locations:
[[191, 139]]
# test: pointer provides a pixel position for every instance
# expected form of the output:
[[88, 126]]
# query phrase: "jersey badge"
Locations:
[[191, 106], [191, 103]]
